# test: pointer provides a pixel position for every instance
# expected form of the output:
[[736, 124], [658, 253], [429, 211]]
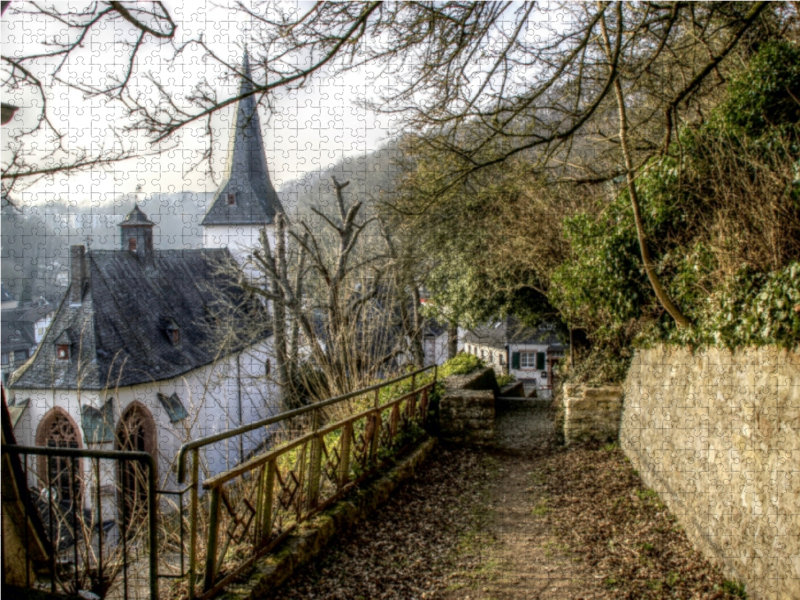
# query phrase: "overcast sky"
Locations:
[[308, 130]]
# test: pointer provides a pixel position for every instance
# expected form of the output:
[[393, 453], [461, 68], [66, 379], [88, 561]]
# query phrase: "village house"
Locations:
[[529, 354], [23, 326], [152, 348], [435, 342]]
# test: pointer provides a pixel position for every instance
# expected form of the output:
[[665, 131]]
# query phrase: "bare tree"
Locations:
[[38, 67], [334, 306], [484, 82]]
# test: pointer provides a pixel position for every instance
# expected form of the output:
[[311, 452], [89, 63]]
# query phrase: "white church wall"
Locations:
[[210, 395]]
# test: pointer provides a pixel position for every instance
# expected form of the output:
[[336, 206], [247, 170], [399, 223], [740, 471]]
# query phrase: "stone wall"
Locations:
[[467, 409], [591, 413], [717, 435]]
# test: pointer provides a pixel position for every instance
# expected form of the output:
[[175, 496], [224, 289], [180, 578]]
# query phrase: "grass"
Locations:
[[541, 509], [735, 588]]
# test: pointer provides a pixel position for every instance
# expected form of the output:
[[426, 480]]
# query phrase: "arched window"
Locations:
[[63, 475], [136, 432]]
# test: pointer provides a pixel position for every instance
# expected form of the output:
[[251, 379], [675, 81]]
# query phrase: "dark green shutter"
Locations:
[[540, 361], [515, 360]]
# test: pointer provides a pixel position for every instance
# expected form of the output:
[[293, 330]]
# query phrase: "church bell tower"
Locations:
[[245, 202]]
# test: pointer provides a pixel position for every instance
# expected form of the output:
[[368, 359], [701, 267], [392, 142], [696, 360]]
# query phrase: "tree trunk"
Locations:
[[452, 339], [647, 260]]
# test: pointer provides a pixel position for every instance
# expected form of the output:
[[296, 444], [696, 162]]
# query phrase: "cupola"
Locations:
[[137, 233]]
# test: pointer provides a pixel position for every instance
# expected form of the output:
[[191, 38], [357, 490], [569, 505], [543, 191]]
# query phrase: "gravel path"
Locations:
[[526, 520]]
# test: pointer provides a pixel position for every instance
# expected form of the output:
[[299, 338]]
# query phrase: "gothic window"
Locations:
[[58, 430], [132, 244], [137, 433]]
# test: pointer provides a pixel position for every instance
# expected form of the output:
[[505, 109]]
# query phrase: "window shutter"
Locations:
[[515, 360], [540, 356]]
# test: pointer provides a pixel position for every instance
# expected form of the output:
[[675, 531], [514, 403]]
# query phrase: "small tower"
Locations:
[[246, 201], [137, 233]]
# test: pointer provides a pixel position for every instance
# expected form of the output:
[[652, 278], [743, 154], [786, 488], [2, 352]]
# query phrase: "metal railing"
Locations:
[[87, 548], [249, 509], [107, 538]]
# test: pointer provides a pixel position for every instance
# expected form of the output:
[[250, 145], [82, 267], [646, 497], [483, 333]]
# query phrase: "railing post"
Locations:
[[193, 509], [267, 486], [376, 433], [99, 522], [394, 419], [213, 537], [153, 510], [423, 406], [344, 454], [316, 463]]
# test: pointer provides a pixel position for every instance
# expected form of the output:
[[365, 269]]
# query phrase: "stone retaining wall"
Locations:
[[717, 435], [591, 413], [467, 409]]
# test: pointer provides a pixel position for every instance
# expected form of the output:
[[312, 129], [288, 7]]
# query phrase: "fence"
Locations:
[[315, 455], [110, 549], [249, 509]]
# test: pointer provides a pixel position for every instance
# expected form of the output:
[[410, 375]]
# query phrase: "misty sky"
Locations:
[[307, 132]]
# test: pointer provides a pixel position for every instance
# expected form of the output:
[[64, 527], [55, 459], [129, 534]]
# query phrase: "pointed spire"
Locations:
[[245, 195]]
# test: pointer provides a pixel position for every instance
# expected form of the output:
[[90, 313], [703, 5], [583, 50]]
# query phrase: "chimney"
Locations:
[[77, 272]]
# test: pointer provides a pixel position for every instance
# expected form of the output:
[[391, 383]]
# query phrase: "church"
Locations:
[[152, 348]]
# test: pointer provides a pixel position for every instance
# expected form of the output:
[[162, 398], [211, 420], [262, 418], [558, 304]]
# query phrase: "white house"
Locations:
[[435, 343], [527, 353]]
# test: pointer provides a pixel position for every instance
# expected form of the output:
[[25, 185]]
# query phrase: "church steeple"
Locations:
[[245, 195]]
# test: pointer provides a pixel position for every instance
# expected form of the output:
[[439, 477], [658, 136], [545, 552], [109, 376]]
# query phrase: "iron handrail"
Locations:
[[142, 457], [296, 489], [262, 459], [212, 439]]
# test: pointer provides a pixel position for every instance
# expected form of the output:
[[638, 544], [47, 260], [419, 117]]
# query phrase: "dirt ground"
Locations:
[[527, 520]]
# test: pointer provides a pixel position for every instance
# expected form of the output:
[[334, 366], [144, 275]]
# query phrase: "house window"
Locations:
[[532, 360], [62, 351], [132, 244], [20, 356], [4, 358], [502, 360], [231, 199], [267, 368]]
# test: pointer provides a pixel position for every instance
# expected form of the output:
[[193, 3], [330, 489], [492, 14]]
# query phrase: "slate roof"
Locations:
[[15, 332], [118, 332], [511, 331], [136, 218], [246, 175], [434, 329], [5, 294]]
